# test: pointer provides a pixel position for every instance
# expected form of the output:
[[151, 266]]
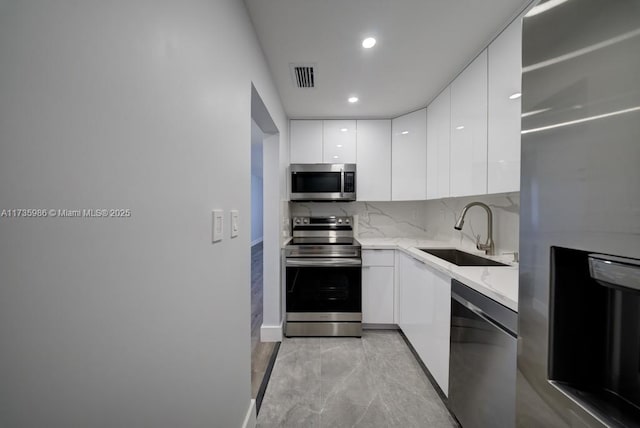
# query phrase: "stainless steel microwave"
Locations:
[[323, 182]]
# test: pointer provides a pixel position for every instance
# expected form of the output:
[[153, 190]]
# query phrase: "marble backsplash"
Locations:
[[403, 219], [442, 214], [427, 219]]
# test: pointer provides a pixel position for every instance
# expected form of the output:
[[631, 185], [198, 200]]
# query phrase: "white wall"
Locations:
[[144, 105], [256, 183], [272, 299], [256, 209]]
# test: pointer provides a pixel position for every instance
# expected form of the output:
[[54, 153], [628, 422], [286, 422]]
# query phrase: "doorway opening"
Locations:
[[264, 244], [260, 351]]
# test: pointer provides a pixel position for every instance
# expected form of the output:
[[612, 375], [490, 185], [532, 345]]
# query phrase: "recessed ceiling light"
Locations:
[[515, 96], [338, 145], [404, 132], [460, 127], [343, 129], [353, 99], [368, 43]]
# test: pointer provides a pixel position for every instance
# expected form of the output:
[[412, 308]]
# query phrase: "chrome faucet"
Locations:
[[488, 247]]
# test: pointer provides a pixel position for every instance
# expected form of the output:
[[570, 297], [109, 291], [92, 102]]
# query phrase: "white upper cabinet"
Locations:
[[409, 156], [305, 137], [469, 130], [339, 141], [374, 160], [505, 68], [438, 145]]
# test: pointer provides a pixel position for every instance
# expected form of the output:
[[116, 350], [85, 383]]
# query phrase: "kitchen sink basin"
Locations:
[[460, 258]]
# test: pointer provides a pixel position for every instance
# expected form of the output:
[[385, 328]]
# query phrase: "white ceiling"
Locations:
[[422, 45]]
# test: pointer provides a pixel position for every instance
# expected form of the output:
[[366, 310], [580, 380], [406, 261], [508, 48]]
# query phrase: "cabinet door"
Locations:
[[406, 281], [409, 157], [377, 294], [424, 312], [339, 141], [438, 145], [469, 130], [374, 160], [439, 329], [505, 69], [305, 137]]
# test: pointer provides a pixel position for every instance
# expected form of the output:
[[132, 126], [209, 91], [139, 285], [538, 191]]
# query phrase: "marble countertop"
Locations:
[[498, 283]]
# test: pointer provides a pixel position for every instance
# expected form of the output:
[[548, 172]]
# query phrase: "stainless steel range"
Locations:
[[323, 278]]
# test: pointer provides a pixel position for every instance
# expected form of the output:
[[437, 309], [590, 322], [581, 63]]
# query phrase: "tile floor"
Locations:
[[345, 382]]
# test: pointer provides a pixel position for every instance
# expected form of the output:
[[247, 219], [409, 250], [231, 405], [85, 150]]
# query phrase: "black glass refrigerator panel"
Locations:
[[594, 338]]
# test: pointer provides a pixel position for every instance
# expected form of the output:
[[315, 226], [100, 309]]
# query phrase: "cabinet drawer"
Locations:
[[377, 257]]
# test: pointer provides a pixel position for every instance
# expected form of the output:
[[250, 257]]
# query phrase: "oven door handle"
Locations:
[[328, 262]]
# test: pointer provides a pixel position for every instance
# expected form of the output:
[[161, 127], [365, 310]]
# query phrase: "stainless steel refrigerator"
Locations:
[[579, 301]]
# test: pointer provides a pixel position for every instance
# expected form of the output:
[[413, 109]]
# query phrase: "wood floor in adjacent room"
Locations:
[[349, 382]]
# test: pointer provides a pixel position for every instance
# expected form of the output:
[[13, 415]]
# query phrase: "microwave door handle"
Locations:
[[342, 183]]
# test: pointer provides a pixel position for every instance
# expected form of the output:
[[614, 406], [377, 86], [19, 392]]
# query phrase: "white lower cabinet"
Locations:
[[378, 286], [424, 311]]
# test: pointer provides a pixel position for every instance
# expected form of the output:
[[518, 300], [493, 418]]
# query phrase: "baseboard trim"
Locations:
[[256, 242], [368, 326], [271, 333], [250, 420]]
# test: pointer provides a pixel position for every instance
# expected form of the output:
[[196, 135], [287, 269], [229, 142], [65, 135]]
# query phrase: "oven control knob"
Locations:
[[347, 221], [297, 221], [339, 221], [306, 220]]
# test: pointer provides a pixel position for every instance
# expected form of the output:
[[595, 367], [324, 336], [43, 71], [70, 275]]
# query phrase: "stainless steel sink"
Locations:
[[460, 258]]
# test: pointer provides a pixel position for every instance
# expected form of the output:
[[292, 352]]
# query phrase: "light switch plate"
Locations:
[[217, 225], [234, 223]]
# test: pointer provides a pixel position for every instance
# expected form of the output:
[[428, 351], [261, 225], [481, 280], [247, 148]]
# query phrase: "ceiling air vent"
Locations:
[[303, 75]]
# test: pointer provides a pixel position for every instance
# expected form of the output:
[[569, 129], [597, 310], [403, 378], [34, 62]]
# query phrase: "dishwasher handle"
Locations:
[[486, 307], [485, 317]]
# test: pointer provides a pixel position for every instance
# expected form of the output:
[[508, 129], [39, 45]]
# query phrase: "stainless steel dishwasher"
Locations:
[[482, 366]]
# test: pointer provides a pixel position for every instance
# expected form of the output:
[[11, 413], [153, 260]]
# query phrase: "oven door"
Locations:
[[324, 289]]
